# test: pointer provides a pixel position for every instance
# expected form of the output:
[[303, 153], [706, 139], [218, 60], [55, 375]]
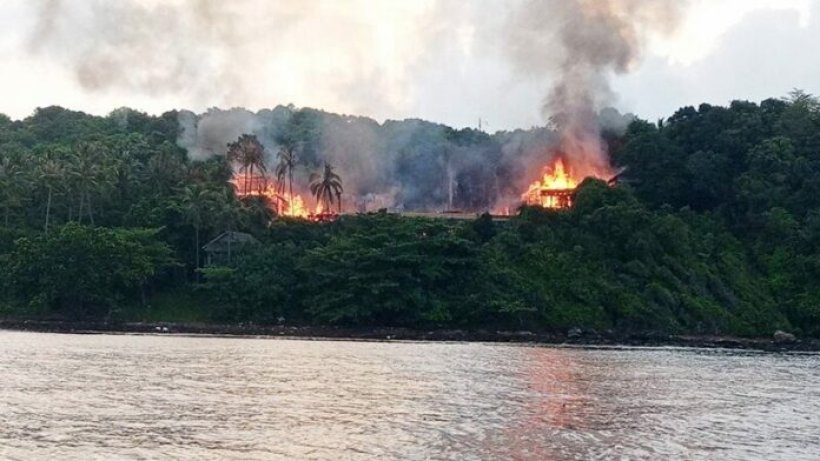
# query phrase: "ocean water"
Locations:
[[174, 397]]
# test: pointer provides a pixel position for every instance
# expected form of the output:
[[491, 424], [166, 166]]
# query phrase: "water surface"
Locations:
[[171, 397]]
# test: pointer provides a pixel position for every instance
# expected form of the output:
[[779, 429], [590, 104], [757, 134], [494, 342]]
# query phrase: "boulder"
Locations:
[[783, 337], [574, 333]]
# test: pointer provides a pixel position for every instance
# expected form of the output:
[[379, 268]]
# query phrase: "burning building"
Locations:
[[282, 203], [279, 200], [553, 190]]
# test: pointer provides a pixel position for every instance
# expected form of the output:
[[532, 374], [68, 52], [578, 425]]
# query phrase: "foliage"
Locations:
[[75, 271], [714, 227]]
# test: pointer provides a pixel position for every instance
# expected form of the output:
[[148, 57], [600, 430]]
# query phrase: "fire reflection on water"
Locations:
[[562, 392], [556, 409]]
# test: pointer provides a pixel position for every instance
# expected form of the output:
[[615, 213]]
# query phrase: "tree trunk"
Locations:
[[48, 208], [290, 181], [196, 243], [229, 245], [90, 208], [251, 185], [79, 210]]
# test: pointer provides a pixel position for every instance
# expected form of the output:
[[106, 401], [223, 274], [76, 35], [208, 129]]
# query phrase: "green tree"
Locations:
[[50, 173], [80, 272], [195, 202], [12, 182]]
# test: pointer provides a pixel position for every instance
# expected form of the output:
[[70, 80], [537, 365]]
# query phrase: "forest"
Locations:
[[714, 227]]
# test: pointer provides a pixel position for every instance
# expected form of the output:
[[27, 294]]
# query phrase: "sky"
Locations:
[[440, 60]]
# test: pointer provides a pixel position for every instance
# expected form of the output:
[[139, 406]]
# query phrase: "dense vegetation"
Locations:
[[715, 229]]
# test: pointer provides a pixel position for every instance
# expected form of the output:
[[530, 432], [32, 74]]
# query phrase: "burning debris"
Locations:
[[573, 46], [577, 45], [284, 204], [553, 190]]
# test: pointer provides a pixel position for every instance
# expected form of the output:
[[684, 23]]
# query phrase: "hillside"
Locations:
[[713, 229]]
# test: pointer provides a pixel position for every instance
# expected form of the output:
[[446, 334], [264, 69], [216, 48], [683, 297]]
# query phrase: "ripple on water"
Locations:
[[166, 397]]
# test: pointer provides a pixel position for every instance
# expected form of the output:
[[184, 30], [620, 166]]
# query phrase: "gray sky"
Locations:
[[441, 60]]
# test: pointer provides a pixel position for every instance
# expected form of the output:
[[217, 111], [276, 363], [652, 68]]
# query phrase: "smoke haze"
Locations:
[[243, 52]]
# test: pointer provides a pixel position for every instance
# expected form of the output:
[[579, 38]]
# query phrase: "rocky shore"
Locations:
[[778, 342]]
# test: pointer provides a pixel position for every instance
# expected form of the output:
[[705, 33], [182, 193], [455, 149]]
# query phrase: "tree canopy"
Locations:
[[714, 226]]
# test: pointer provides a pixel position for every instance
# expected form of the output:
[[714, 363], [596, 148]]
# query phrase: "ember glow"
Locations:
[[557, 186], [281, 203], [554, 189]]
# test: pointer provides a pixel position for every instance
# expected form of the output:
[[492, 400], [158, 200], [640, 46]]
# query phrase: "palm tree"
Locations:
[[227, 212], [11, 184], [91, 174], [250, 154], [327, 186], [164, 170], [49, 173], [287, 162], [127, 171], [194, 202]]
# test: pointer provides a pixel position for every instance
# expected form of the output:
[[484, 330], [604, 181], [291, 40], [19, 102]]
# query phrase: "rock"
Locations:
[[783, 337], [574, 333]]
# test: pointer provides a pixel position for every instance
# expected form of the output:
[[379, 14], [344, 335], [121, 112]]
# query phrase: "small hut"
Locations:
[[226, 246]]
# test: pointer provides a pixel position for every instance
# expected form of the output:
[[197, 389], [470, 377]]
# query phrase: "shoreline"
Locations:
[[406, 334]]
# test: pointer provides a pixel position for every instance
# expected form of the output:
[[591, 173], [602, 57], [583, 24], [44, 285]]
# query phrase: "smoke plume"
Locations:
[[576, 46], [363, 57]]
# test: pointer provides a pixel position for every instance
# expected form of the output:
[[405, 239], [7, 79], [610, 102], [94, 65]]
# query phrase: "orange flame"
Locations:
[[553, 190], [282, 204], [295, 208]]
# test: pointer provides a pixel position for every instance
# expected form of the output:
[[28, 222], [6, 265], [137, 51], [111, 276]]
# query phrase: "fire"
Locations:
[[553, 190], [282, 204], [295, 208]]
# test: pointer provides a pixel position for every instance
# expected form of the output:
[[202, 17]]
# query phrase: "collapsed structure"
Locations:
[[554, 190], [282, 202]]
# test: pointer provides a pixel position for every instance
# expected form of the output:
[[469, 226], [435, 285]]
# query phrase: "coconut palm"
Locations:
[[127, 172], [227, 212], [250, 154], [327, 187], [11, 185], [195, 201], [164, 170], [49, 172], [92, 175], [284, 169]]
